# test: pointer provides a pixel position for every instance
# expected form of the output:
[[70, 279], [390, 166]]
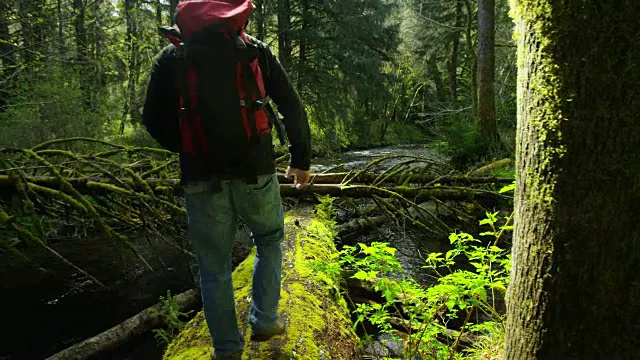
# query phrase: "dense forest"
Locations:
[[369, 72]]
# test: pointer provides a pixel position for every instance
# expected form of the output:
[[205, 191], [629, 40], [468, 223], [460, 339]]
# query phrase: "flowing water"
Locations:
[[45, 311]]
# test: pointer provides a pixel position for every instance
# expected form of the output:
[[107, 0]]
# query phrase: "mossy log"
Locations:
[[317, 318]]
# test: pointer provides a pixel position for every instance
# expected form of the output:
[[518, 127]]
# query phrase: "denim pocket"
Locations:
[[263, 183], [196, 187]]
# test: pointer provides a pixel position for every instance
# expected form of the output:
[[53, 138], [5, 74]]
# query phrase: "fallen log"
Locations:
[[361, 224], [417, 194], [111, 339], [490, 167], [102, 186], [317, 318], [7, 183]]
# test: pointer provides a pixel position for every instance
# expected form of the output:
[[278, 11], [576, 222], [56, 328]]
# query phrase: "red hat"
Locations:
[[193, 15]]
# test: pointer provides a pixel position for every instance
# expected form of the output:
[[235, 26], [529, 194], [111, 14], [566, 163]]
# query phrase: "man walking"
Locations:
[[207, 99]]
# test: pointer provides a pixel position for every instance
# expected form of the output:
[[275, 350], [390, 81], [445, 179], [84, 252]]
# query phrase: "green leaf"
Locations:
[[510, 187], [360, 275]]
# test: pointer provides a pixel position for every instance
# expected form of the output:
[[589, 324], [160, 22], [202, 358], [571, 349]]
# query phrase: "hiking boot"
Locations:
[[234, 356], [277, 329]]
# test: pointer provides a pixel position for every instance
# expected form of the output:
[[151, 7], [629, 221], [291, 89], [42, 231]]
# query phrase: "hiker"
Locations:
[[208, 99]]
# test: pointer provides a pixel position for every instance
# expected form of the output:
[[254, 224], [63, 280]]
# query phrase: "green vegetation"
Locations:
[[472, 280], [173, 319], [398, 72]]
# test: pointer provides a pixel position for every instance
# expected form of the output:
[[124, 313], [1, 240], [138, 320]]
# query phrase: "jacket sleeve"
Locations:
[[281, 90], [161, 107]]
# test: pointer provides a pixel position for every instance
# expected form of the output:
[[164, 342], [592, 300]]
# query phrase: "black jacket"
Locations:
[[161, 114]]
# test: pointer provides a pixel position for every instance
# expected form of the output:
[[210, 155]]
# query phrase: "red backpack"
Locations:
[[222, 94]]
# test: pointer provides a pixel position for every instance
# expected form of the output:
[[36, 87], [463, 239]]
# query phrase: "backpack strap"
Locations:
[[265, 66]]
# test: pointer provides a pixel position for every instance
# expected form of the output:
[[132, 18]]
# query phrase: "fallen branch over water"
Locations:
[[94, 184], [101, 186], [111, 339]]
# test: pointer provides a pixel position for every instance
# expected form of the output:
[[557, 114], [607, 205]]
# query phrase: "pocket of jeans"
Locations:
[[196, 187], [263, 183]]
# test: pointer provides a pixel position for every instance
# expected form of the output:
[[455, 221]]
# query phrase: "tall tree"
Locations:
[[285, 48], [486, 116], [7, 55], [472, 58], [82, 50], [575, 290], [173, 5], [130, 110], [455, 50], [260, 16]]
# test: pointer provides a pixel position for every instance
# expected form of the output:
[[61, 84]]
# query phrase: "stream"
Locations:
[[44, 312]]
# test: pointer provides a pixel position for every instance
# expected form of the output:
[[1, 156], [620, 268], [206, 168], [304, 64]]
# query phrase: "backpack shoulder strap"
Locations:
[[265, 66], [263, 61]]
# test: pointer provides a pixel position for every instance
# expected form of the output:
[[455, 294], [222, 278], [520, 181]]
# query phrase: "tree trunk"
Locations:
[[284, 33], [26, 30], [130, 111], [173, 5], [486, 116], [302, 57], [575, 290], [159, 21], [455, 49], [61, 43], [82, 52], [471, 57], [99, 81], [7, 56], [260, 16], [437, 78]]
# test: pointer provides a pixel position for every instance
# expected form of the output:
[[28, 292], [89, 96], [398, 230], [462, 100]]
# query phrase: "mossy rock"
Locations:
[[318, 322]]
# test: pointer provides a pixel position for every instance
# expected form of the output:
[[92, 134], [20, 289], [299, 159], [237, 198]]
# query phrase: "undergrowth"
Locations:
[[460, 317]]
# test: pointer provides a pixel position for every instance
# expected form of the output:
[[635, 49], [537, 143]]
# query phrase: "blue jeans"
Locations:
[[212, 228]]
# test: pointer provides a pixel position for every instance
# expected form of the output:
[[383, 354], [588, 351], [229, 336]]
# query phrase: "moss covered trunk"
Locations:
[[318, 323], [575, 289]]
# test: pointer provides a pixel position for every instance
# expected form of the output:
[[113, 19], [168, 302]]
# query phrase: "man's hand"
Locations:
[[300, 177]]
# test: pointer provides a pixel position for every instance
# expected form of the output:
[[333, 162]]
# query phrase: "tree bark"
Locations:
[[575, 290], [82, 52], [471, 56], [486, 116], [130, 110], [260, 16], [455, 49], [159, 21], [26, 29], [284, 34], [7, 57], [302, 57], [173, 5], [60, 19]]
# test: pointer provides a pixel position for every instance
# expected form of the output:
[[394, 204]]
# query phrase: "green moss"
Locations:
[[318, 326]]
